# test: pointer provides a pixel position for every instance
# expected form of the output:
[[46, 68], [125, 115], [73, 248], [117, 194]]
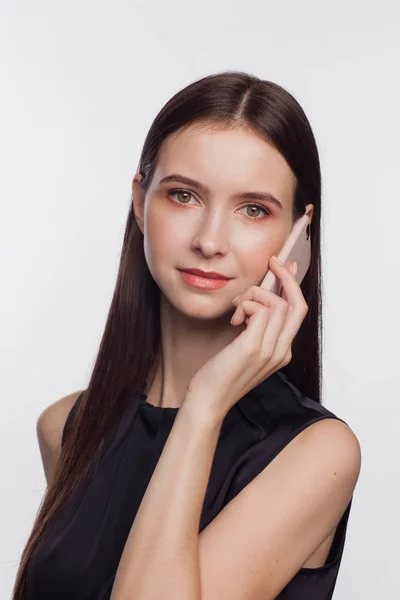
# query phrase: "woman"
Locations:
[[199, 463]]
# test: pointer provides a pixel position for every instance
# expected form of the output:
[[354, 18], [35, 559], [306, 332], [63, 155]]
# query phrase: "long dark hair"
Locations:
[[131, 337]]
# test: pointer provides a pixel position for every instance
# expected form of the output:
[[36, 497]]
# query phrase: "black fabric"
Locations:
[[79, 556]]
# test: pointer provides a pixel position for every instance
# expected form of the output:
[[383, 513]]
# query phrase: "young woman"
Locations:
[[200, 463]]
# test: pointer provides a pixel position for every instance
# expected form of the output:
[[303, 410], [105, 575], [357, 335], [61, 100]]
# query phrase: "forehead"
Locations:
[[228, 161]]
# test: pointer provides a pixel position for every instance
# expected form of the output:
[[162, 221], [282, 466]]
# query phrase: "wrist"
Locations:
[[196, 405]]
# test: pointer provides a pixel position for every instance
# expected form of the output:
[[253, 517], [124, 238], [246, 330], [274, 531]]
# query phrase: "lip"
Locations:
[[205, 274], [204, 283]]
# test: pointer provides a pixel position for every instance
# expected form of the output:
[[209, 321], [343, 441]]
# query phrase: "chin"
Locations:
[[200, 308]]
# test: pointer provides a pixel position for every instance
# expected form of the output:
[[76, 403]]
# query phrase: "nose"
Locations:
[[211, 234]]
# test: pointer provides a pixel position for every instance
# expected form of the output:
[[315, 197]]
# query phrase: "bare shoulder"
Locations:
[[328, 455], [49, 429], [337, 442], [328, 444]]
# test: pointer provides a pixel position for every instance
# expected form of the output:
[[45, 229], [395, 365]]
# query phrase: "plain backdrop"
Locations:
[[81, 83]]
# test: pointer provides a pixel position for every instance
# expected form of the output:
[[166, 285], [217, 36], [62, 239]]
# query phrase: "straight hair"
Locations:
[[131, 338]]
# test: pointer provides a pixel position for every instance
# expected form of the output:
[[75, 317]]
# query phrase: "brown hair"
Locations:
[[131, 337]]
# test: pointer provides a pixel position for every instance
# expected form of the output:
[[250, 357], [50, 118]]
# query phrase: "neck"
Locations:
[[186, 344]]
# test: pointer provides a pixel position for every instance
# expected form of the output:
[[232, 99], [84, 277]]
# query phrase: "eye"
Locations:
[[259, 207], [173, 193]]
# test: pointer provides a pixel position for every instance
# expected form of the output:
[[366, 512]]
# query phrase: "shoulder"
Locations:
[[332, 445], [301, 423], [49, 429], [319, 469], [284, 404], [297, 504]]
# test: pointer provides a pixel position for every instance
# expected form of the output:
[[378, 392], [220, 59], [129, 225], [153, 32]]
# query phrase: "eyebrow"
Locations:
[[196, 184]]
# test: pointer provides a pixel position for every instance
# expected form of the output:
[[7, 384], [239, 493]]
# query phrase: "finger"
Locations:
[[263, 331], [290, 328], [272, 332], [261, 294], [290, 286], [293, 270], [258, 316], [257, 294], [287, 334], [283, 328], [276, 324]]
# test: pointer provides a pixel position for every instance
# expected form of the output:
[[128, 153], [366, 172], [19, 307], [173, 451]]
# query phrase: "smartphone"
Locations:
[[296, 248]]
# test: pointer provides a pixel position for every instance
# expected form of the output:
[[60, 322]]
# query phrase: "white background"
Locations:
[[81, 84]]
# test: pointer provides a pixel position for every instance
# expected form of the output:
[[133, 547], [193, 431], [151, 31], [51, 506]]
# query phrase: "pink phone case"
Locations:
[[296, 248]]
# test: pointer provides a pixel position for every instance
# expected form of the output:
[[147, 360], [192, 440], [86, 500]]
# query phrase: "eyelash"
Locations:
[[175, 191]]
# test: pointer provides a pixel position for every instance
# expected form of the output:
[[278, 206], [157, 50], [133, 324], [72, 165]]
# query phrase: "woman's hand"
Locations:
[[265, 346]]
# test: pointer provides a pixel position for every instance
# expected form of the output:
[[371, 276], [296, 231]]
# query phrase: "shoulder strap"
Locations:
[[71, 413]]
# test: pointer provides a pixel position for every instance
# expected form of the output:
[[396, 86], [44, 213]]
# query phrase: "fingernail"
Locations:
[[276, 259]]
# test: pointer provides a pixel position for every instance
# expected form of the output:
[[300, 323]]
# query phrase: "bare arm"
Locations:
[[160, 558], [49, 429], [258, 542]]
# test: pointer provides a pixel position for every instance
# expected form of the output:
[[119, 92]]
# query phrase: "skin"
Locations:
[[213, 232], [289, 511], [287, 514]]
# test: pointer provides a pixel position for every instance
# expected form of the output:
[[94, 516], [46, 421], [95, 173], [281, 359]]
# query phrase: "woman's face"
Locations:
[[213, 227]]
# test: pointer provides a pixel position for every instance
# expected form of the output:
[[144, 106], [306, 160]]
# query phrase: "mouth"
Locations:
[[205, 274], [206, 281]]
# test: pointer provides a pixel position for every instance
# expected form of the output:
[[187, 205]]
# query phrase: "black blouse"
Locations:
[[79, 555]]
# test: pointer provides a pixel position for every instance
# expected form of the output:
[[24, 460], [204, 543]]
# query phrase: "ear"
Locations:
[[138, 197], [310, 211]]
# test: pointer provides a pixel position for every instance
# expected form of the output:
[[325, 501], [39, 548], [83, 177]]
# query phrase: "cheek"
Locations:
[[163, 237], [254, 256], [254, 263]]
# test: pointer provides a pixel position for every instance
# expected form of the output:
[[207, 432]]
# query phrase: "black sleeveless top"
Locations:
[[79, 555]]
